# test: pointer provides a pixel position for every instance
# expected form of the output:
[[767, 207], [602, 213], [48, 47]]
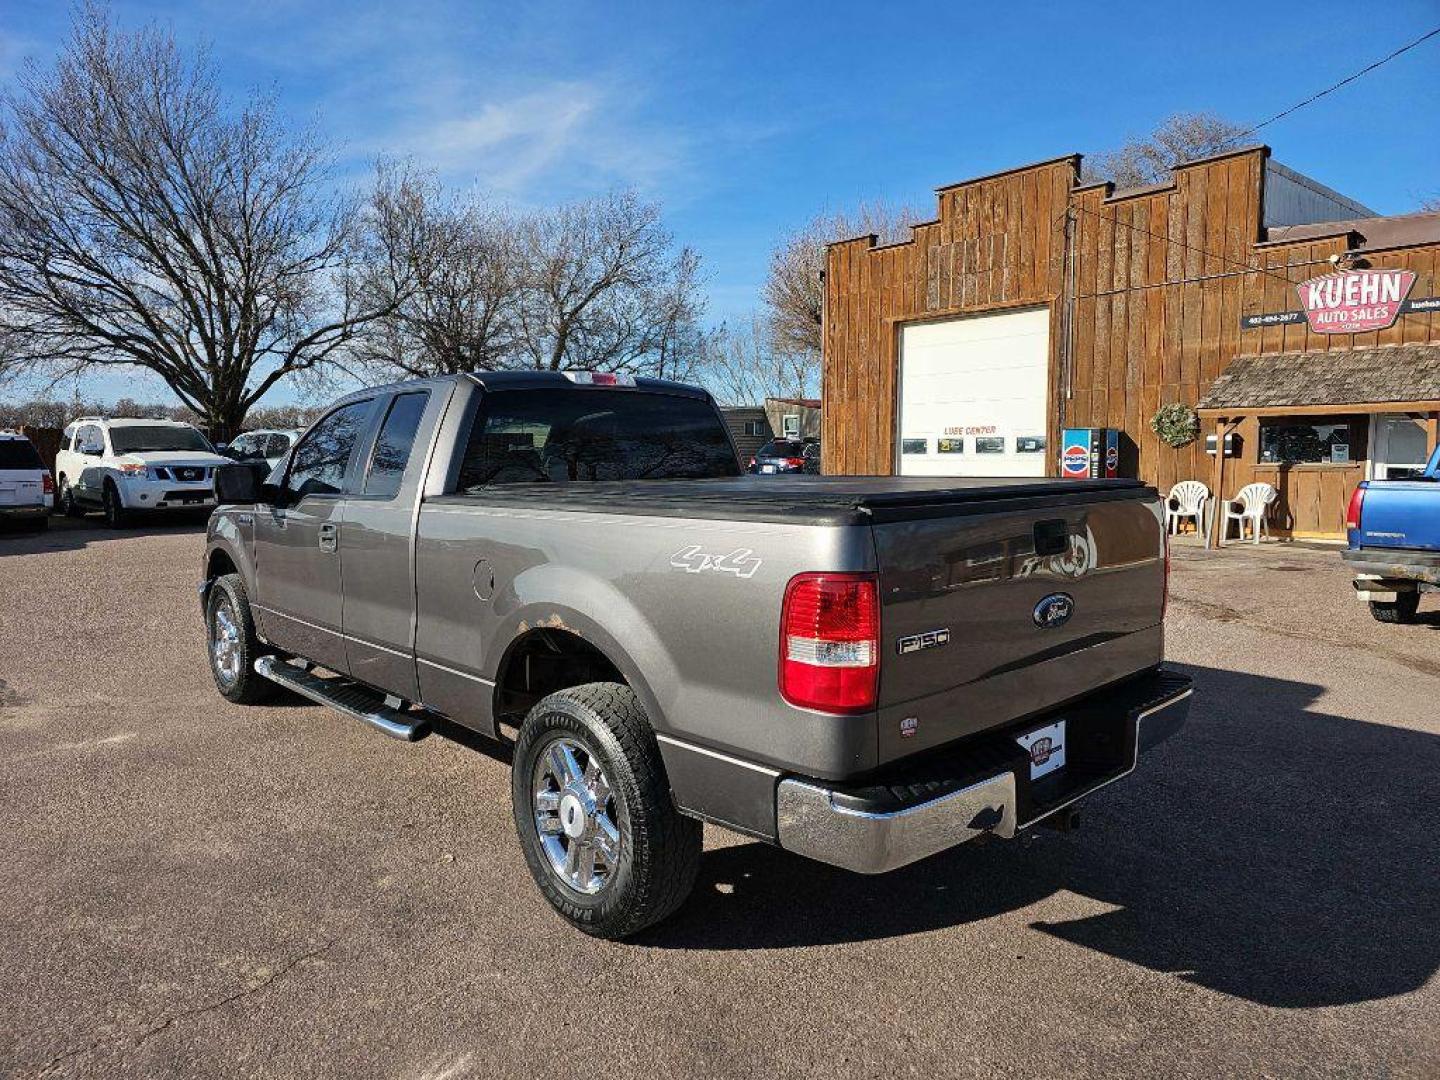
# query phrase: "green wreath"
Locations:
[[1176, 424]]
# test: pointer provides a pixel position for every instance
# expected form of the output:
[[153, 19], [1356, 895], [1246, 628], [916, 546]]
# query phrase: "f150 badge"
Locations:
[[1055, 610], [741, 562], [931, 639]]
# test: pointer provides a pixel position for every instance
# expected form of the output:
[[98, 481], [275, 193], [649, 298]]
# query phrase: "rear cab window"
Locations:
[[558, 436], [782, 448]]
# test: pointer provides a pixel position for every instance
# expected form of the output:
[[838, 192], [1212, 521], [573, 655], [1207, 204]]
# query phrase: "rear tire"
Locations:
[[231, 644], [588, 771], [1400, 610], [68, 506]]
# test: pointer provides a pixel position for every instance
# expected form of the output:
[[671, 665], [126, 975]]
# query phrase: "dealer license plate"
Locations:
[[1046, 747]]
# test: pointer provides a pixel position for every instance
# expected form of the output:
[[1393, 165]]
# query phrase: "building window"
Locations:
[[990, 444], [755, 428], [913, 446], [1288, 442], [1030, 444], [950, 446], [1401, 448], [791, 425]]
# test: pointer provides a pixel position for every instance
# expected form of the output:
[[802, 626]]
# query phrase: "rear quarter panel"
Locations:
[[697, 637]]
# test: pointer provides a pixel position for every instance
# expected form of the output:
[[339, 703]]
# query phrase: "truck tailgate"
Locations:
[[993, 613], [1400, 514]]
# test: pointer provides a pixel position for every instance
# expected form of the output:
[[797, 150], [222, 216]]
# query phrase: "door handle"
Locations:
[[327, 537]]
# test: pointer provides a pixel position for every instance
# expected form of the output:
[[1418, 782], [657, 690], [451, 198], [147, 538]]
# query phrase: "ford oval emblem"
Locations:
[[1055, 610]]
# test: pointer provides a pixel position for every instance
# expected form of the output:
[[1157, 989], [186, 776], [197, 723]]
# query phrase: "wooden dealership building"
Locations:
[[1303, 328]]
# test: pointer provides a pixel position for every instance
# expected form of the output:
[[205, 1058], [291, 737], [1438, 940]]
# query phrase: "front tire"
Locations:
[[115, 516], [593, 811], [1401, 610], [232, 645]]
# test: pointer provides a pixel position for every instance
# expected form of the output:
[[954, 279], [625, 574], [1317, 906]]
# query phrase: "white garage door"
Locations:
[[972, 396]]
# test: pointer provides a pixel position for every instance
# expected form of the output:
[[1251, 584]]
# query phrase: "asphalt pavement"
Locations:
[[192, 888]]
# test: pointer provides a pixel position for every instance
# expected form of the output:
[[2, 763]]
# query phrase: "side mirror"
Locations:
[[221, 447], [240, 484]]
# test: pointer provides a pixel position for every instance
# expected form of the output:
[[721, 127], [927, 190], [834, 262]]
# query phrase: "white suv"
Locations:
[[265, 444], [121, 466], [26, 488]]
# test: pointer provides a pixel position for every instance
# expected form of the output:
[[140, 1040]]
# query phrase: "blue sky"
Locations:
[[745, 119]]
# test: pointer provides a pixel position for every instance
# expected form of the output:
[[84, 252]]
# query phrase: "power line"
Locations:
[[1245, 266], [1331, 89], [1181, 243]]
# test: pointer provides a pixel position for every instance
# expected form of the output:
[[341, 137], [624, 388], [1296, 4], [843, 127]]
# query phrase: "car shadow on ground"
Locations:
[[72, 534], [1269, 852]]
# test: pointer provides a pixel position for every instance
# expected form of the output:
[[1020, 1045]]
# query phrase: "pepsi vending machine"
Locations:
[[1089, 453]]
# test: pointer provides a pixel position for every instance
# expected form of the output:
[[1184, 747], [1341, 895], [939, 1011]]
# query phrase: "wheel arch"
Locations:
[[227, 553], [552, 647]]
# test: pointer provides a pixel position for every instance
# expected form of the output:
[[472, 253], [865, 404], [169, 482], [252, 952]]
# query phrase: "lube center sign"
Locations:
[[1355, 301]]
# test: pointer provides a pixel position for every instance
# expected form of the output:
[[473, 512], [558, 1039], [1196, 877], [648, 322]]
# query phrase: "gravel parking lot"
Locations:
[[191, 888]]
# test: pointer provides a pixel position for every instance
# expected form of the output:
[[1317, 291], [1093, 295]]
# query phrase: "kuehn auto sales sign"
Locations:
[[1350, 302], [1355, 301]]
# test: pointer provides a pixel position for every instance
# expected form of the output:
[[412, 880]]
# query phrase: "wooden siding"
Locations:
[[1161, 278], [998, 244]]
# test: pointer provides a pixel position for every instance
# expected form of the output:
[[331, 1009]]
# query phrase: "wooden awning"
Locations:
[[1391, 378]]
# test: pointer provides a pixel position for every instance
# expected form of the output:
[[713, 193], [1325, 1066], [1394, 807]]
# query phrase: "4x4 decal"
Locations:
[[741, 562]]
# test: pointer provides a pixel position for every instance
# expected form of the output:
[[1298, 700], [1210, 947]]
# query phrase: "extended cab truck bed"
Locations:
[[863, 670], [1394, 532]]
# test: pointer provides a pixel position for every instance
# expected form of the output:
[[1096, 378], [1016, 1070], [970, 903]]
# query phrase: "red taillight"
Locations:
[[48, 483], [1357, 506], [752, 463], [795, 462], [830, 642]]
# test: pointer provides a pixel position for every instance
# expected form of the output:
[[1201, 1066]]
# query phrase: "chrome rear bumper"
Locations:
[[812, 822]]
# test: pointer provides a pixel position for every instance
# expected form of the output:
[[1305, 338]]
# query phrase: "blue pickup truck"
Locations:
[[1394, 530]]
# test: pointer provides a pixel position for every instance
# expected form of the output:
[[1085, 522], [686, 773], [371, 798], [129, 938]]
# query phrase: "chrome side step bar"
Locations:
[[344, 696]]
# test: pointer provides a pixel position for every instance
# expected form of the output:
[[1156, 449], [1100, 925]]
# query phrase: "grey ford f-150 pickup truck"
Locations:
[[862, 670]]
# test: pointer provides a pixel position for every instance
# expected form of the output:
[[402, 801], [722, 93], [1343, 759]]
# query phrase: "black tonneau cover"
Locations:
[[827, 500]]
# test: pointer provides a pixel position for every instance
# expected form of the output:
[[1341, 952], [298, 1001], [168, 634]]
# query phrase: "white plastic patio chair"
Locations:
[[1187, 499], [1250, 507]]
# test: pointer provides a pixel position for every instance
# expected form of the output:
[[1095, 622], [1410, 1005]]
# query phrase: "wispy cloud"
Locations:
[[560, 138]]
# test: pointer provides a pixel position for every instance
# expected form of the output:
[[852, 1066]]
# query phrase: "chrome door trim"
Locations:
[[717, 755], [452, 671]]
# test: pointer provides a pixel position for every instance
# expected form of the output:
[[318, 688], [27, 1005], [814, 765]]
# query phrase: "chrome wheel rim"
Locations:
[[225, 642], [575, 816]]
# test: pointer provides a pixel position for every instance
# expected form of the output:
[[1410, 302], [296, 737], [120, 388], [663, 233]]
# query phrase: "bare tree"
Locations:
[[143, 222], [741, 368], [606, 289], [794, 290], [283, 416], [1151, 159], [38, 412], [447, 272]]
